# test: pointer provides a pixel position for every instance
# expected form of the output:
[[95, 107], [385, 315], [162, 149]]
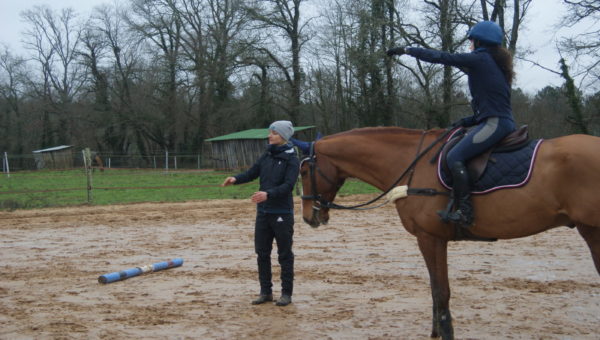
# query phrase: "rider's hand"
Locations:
[[458, 123], [400, 50]]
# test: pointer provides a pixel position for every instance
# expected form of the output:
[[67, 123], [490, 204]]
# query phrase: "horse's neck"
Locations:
[[377, 159]]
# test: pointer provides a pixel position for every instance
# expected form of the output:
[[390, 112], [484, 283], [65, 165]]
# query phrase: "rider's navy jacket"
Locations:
[[278, 170], [490, 91]]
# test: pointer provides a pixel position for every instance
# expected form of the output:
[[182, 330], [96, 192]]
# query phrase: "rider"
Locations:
[[490, 74]]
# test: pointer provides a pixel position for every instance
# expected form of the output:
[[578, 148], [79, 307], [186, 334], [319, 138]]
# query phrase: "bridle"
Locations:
[[319, 202]]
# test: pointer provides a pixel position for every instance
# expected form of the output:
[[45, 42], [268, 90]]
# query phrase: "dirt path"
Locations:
[[361, 277]]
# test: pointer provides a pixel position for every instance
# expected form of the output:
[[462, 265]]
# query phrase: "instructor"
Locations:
[[277, 170]]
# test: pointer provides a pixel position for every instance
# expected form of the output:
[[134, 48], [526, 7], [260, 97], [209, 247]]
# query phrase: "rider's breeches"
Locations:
[[479, 139]]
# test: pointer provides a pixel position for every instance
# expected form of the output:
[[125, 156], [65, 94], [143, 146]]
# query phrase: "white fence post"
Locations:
[[167, 160], [87, 162], [5, 166]]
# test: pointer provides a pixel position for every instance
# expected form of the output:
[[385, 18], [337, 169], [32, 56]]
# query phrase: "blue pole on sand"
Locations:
[[131, 272]]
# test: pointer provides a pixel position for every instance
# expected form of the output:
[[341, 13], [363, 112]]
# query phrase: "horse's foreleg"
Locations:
[[435, 253], [591, 235]]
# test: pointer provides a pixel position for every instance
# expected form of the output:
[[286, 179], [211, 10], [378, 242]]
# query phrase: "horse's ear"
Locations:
[[302, 145]]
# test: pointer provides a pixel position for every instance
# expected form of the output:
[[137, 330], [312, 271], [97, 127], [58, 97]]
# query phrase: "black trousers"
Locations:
[[281, 228]]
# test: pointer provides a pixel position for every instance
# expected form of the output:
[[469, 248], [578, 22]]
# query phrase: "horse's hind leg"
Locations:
[[591, 235]]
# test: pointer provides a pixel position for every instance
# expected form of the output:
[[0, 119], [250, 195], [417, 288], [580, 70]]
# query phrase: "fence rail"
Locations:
[[74, 186], [111, 188], [167, 160], [44, 188]]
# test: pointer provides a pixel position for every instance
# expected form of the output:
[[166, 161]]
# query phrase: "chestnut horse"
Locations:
[[564, 190]]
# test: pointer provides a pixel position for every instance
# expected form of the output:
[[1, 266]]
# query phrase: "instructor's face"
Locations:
[[275, 138]]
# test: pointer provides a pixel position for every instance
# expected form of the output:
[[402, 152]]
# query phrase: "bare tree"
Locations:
[[155, 21], [333, 82], [54, 38], [214, 40], [373, 36], [285, 16], [584, 48], [12, 74], [92, 50], [119, 59], [194, 46]]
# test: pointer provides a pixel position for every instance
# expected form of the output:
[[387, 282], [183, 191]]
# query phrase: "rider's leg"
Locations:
[[475, 142], [461, 193]]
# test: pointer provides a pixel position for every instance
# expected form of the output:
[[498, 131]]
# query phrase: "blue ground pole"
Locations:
[[131, 272]]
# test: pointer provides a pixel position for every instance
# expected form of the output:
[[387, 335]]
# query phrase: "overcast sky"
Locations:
[[540, 34]]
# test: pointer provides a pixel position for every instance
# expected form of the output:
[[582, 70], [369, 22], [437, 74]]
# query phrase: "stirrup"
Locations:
[[459, 218], [445, 214]]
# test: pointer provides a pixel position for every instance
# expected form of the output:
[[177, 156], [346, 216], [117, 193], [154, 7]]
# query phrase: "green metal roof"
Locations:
[[252, 134]]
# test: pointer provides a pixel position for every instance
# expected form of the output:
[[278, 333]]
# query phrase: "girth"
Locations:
[[476, 166]]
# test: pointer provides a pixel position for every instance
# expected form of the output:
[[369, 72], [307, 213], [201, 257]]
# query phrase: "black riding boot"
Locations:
[[461, 194]]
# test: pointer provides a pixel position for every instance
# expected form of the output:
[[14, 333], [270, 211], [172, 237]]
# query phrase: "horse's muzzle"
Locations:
[[314, 223]]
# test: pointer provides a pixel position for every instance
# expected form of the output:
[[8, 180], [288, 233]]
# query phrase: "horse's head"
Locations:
[[321, 181]]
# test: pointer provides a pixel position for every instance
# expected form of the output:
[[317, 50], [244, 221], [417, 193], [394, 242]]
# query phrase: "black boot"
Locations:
[[284, 300], [262, 298], [461, 193]]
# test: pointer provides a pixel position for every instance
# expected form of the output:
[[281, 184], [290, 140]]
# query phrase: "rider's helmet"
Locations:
[[487, 32]]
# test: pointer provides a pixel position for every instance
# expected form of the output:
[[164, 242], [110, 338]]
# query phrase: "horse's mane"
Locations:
[[377, 130]]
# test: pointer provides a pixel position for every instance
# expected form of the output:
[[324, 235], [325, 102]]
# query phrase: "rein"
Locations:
[[313, 169]]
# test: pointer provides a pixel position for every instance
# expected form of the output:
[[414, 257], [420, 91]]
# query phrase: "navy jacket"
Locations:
[[278, 170], [490, 91]]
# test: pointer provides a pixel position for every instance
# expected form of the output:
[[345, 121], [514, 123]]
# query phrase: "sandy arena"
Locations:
[[360, 277]]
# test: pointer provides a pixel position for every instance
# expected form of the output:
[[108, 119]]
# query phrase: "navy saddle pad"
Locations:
[[504, 170]]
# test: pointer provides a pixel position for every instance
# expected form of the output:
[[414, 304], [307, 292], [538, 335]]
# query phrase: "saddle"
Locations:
[[476, 166]]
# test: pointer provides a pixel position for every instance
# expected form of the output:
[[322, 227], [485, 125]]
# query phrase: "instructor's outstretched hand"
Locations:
[[228, 181]]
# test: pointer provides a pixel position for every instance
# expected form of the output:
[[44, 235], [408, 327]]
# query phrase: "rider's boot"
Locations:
[[461, 194]]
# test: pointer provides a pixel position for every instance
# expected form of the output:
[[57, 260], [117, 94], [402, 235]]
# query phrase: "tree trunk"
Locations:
[[443, 117]]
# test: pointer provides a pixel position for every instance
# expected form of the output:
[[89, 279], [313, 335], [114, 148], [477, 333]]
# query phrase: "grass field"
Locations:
[[36, 189]]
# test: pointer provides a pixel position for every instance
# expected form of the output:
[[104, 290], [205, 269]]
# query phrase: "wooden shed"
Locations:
[[241, 149], [58, 157]]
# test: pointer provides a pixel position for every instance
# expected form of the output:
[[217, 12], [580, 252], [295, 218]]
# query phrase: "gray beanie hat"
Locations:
[[284, 128]]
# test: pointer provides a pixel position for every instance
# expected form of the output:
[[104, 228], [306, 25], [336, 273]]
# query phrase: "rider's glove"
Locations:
[[396, 51]]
